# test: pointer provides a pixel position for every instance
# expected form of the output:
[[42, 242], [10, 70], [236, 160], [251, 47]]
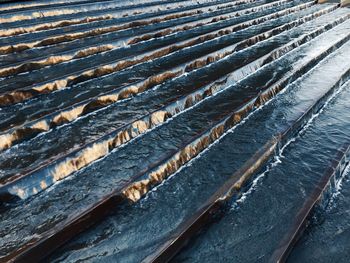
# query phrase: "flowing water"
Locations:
[[120, 119]]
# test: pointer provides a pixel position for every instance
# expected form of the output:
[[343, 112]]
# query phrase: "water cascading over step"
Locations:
[[128, 127]]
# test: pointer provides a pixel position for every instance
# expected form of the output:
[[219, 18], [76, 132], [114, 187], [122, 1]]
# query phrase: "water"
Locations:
[[210, 169], [199, 126]]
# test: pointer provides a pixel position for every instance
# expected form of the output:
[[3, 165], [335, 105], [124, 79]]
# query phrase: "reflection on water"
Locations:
[[162, 107]]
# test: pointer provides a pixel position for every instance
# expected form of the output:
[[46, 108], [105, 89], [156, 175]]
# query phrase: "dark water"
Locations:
[[262, 215], [237, 72], [327, 238], [179, 195]]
